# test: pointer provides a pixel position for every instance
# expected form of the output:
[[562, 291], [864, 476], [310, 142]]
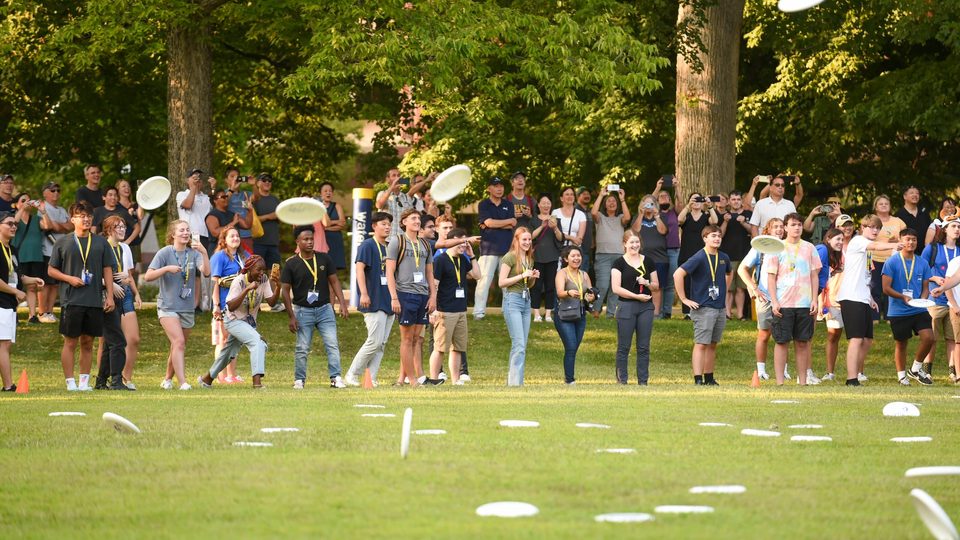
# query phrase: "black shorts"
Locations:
[[76, 321], [47, 280], [793, 324], [906, 327], [857, 319], [33, 269]]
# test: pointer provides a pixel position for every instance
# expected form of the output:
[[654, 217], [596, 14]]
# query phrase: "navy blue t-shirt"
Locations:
[[495, 241], [701, 278], [445, 272], [374, 259]]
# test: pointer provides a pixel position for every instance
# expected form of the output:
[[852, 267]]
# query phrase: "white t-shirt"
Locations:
[[568, 228], [197, 215], [127, 257], [952, 268], [855, 285], [766, 209]]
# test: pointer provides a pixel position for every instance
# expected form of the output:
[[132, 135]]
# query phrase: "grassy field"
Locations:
[[341, 476]]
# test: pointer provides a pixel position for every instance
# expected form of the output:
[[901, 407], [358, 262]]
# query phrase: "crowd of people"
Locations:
[[562, 262]]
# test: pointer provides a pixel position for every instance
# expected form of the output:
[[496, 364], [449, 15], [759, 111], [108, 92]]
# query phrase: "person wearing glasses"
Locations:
[[6, 193], [10, 297], [772, 206], [55, 223], [119, 330], [28, 245], [220, 216]]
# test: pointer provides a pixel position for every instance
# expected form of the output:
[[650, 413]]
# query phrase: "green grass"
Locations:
[[341, 476]]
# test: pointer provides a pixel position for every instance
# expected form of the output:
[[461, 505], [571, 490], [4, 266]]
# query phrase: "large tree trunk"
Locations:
[[190, 107], [706, 109]]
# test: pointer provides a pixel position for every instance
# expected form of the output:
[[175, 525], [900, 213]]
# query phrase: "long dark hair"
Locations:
[[835, 257]]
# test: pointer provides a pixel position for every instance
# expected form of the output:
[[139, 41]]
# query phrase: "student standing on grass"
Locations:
[[946, 289], [113, 347], [905, 278], [177, 266], [610, 222], [792, 279], [546, 252], [939, 254], [129, 302], [633, 279], [55, 222], [10, 297], [516, 276], [709, 272], [753, 271], [653, 237], [497, 220], [83, 263], [306, 281], [856, 304], [28, 243], [374, 303], [575, 294], [247, 292], [451, 270], [225, 266], [831, 275]]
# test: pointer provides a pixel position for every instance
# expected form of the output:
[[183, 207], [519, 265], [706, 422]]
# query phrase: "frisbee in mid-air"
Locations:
[[405, 432], [766, 244], [933, 515], [300, 211], [792, 6], [921, 303], [450, 183], [119, 423], [939, 470], [153, 192]]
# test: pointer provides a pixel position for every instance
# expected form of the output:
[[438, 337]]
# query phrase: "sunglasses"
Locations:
[[57, 190], [777, 185], [221, 197]]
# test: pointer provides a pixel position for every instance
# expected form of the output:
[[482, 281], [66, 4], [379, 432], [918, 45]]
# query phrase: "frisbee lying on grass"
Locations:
[[519, 423], [507, 509], [67, 413], [900, 408], [623, 517], [731, 489]]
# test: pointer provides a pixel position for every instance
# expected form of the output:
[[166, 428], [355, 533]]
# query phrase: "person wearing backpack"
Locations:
[[938, 255], [752, 270]]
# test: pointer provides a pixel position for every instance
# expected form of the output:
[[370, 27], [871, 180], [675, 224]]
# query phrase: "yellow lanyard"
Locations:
[[185, 266], [312, 269], [8, 255], [456, 266], [913, 263], [119, 253], [416, 253], [523, 265], [578, 282], [642, 269], [83, 254], [712, 265], [790, 259], [251, 297], [383, 257]]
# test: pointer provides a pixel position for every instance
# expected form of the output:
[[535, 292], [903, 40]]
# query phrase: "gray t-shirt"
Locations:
[[610, 234], [171, 285], [408, 266], [271, 228], [56, 214], [69, 259]]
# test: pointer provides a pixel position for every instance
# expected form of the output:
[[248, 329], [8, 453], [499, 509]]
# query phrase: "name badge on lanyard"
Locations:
[[460, 293], [312, 296]]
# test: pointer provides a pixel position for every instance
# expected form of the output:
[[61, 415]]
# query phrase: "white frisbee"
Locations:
[[254, 444], [588, 425], [519, 423], [759, 433], [784, 401], [450, 183], [368, 406], [153, 192], [792, 6], [940, 470], [933, 516], [900, 408], [430, 432], [507, 509], [715, 424], [731, 489], [405, 432], [119, 423], [810, 438], [623, 517], [911, 439], [279, 429], [805, 426], [683, 509], [67, 413], [616, 451], [378, 415], [921, 303], [300, 211], [766, 244]]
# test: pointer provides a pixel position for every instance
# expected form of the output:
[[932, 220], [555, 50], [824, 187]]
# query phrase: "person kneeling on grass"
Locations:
[[10, 297], [451, 270], [709, 271], [902, 279], [246, 294]]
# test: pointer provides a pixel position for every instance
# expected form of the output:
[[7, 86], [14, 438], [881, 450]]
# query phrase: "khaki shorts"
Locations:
[[941, 323], [737, 282], [450, 330]]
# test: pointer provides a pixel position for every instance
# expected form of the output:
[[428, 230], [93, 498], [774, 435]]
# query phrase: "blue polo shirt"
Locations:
[[897, 269], [374, 259], [495, 241], [701, 278], [824, 274]]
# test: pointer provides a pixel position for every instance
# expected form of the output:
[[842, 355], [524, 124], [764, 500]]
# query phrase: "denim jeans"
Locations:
[[241, 333], [516, 313], [666, 283], [489, 270], [571, 334], [323, 320], [370, 355], [603, 264]]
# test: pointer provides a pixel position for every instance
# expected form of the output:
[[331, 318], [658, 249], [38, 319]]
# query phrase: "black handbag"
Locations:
[[569, 309]]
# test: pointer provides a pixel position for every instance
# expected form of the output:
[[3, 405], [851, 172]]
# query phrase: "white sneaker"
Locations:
[[827, 377], [167, 384], [861, 377], [48, 318], [905, 381], [84, 388], [443, 376], [337, 382], [478, 316], [812, 377], [278, 307], [351, 380], [421, 379], [547, 318], [786, 374], [130, 385], [298, 384], [185, 386], [71, 386], [763, 376], [537, 318], [459, 382]]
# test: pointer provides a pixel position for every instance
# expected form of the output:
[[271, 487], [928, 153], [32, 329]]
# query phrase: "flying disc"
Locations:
[[683, 509], [119, 423], [153, 193], [519, 423], [900, 408], [784, 401], [805, 426], [279, 429], [623, 517], [792, 6], [933, 516], [911, 439], [715, 424], [921, 303], [450, 183], [940, 470], [430, 432], [508, 509], [67, 413], [766, 244], [300, 211], [759, 433], [379, 415], [616, 451], [254, 444], [588, 425], [810, 438], [368, 406], [732, 489], [405, 432]]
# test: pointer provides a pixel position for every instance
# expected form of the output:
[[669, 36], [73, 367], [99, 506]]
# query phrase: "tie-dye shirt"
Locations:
[[796, 268]]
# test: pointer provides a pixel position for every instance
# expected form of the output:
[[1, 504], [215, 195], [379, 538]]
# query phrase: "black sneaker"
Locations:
[[34, 320], [13, 388], [711, 382], [433, 382], [853, 382], [920, 377], [122, 387], [101, 386]]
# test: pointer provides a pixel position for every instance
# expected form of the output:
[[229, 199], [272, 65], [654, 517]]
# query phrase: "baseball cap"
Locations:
[[192, 172], [50, 185], [843, 219], [496, 180]]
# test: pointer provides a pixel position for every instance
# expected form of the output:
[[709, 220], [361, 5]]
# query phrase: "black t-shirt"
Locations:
[[920, 223], [736, 241], [92, 196], [690, 240], [101, 213], [298, 275], [629, 275], [7, 301], [67, 258], [222, 217], [445, 272]]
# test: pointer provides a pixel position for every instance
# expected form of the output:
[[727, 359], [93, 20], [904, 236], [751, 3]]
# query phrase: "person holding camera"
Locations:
[[821, 219], [668, 214], [395, 200], [28, 245], [774, 205], [610, 221], [652, 231], [546, 252], [575, 293], [693, 219], [735, 228]]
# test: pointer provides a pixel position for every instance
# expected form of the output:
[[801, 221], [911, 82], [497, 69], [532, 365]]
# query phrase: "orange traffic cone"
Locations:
[[755, 383], [367, 379], [23, 385]]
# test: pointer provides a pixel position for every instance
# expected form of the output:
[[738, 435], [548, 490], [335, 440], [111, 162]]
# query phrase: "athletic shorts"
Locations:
[[834, 318], [940, 317], [33, 269], [793, 324], [906, 327], [764, 314], [450, 331], [413, 308], [708, 325], [76, 321], [187, 318], [737, 282], [8, 325], [857, 319], [47, 280]]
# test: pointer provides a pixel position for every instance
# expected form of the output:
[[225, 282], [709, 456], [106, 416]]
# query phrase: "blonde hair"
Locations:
[[172, 229]]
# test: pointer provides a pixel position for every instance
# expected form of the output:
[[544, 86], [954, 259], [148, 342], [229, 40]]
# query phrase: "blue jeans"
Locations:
[[571, 334], [323, 320], [666, 283], [241, 333], [516, 313], [601, 268]]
